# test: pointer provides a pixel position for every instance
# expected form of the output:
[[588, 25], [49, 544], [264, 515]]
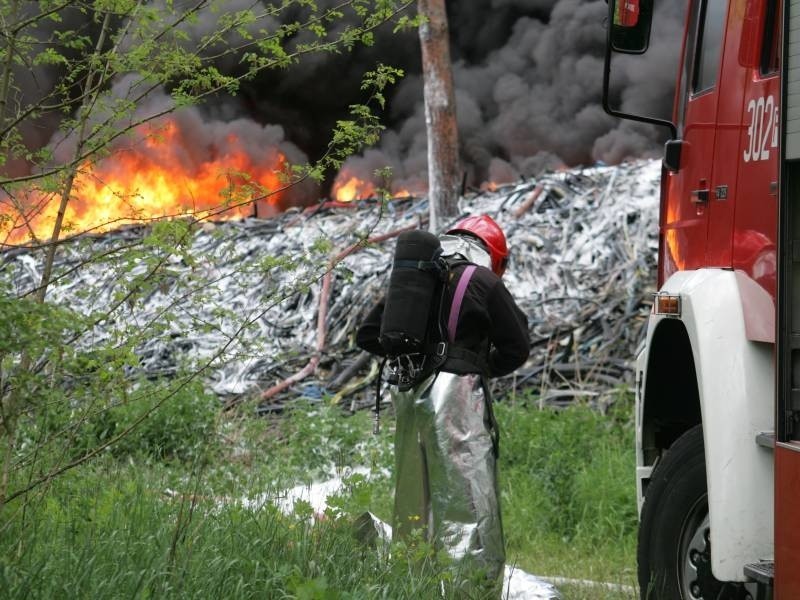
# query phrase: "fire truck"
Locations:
[[718, 378]]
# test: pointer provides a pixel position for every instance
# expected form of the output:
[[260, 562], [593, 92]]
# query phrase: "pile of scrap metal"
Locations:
[[268, 308]]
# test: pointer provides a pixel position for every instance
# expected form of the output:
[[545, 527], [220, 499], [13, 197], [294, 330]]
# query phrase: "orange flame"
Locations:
[[347, 189], [158, 176]]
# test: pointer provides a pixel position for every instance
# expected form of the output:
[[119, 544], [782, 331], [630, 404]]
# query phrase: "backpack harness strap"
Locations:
[[443, 350], [458, 298], [434, 265]]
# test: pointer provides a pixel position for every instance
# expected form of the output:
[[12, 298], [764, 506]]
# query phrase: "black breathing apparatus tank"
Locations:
[[412, 331], [413, 298]]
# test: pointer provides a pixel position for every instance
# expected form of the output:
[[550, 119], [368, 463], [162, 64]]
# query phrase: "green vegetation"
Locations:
[[569, 496], [145, 523], [107, 76], [111, 531], [117, 483]]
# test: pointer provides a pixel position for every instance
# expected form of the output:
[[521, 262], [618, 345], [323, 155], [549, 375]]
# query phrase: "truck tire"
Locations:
[[674, 551]]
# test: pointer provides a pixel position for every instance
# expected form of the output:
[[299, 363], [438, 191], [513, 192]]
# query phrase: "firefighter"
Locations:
[[446, 440]]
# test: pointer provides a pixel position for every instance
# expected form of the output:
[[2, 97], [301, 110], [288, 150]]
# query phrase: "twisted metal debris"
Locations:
[[268, 309]]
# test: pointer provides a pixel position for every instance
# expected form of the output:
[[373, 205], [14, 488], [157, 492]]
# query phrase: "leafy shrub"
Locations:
[[312, 440], [166, 422], [181, 424]]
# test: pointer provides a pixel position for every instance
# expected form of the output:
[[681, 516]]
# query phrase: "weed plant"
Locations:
[[201, 524], [180, 427]]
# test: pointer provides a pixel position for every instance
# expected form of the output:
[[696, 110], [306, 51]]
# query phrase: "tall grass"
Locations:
[[142, 528], [568, 493], [112, 532]]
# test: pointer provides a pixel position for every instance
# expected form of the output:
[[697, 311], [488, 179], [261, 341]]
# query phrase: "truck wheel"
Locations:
[[674, 552]]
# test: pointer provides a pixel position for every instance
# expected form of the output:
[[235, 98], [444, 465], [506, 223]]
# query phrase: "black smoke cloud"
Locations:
[[528, 77]]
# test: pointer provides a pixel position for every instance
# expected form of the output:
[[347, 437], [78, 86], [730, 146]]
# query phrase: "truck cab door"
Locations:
[[685, 216], [725, 186], [755, 230]]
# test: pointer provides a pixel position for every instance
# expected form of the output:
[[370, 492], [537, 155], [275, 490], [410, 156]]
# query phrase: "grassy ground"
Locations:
[[135, 526], [569, 497]]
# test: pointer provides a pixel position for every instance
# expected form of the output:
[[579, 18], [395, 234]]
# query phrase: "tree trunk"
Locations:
[[440, 114]]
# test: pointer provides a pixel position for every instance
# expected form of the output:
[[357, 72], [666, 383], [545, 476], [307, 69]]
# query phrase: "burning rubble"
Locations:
[[268, 308], [178, 164]]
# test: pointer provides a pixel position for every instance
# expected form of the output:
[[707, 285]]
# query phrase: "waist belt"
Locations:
[[474, 359]]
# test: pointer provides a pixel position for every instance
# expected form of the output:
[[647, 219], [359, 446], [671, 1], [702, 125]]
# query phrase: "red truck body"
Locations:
[[722, 363]]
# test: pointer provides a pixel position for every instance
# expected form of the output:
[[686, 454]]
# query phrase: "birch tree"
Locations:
[[440, 114]]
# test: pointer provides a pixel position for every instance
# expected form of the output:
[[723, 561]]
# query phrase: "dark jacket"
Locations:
[[490, 324]]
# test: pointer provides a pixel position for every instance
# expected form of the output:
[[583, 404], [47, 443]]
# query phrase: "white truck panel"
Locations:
[[735, 383]]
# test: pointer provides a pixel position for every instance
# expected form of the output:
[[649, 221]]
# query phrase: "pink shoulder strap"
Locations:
[[455, 308]]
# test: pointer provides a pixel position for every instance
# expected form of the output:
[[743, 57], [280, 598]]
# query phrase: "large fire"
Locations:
[[157, 176], [161, 173]]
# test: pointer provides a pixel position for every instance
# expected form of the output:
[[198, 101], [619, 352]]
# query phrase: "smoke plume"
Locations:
[[528, 77]]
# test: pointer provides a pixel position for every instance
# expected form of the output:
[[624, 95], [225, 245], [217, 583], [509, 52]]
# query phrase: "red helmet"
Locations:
[[488, 231]]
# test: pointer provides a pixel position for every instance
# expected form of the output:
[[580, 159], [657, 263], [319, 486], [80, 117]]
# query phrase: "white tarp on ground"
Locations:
[[517, 585]]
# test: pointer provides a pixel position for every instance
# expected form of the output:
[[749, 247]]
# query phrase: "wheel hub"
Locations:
[[696, 579]]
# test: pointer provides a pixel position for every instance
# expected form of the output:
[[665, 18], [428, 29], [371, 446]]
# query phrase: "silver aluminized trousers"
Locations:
[[446, 470]]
